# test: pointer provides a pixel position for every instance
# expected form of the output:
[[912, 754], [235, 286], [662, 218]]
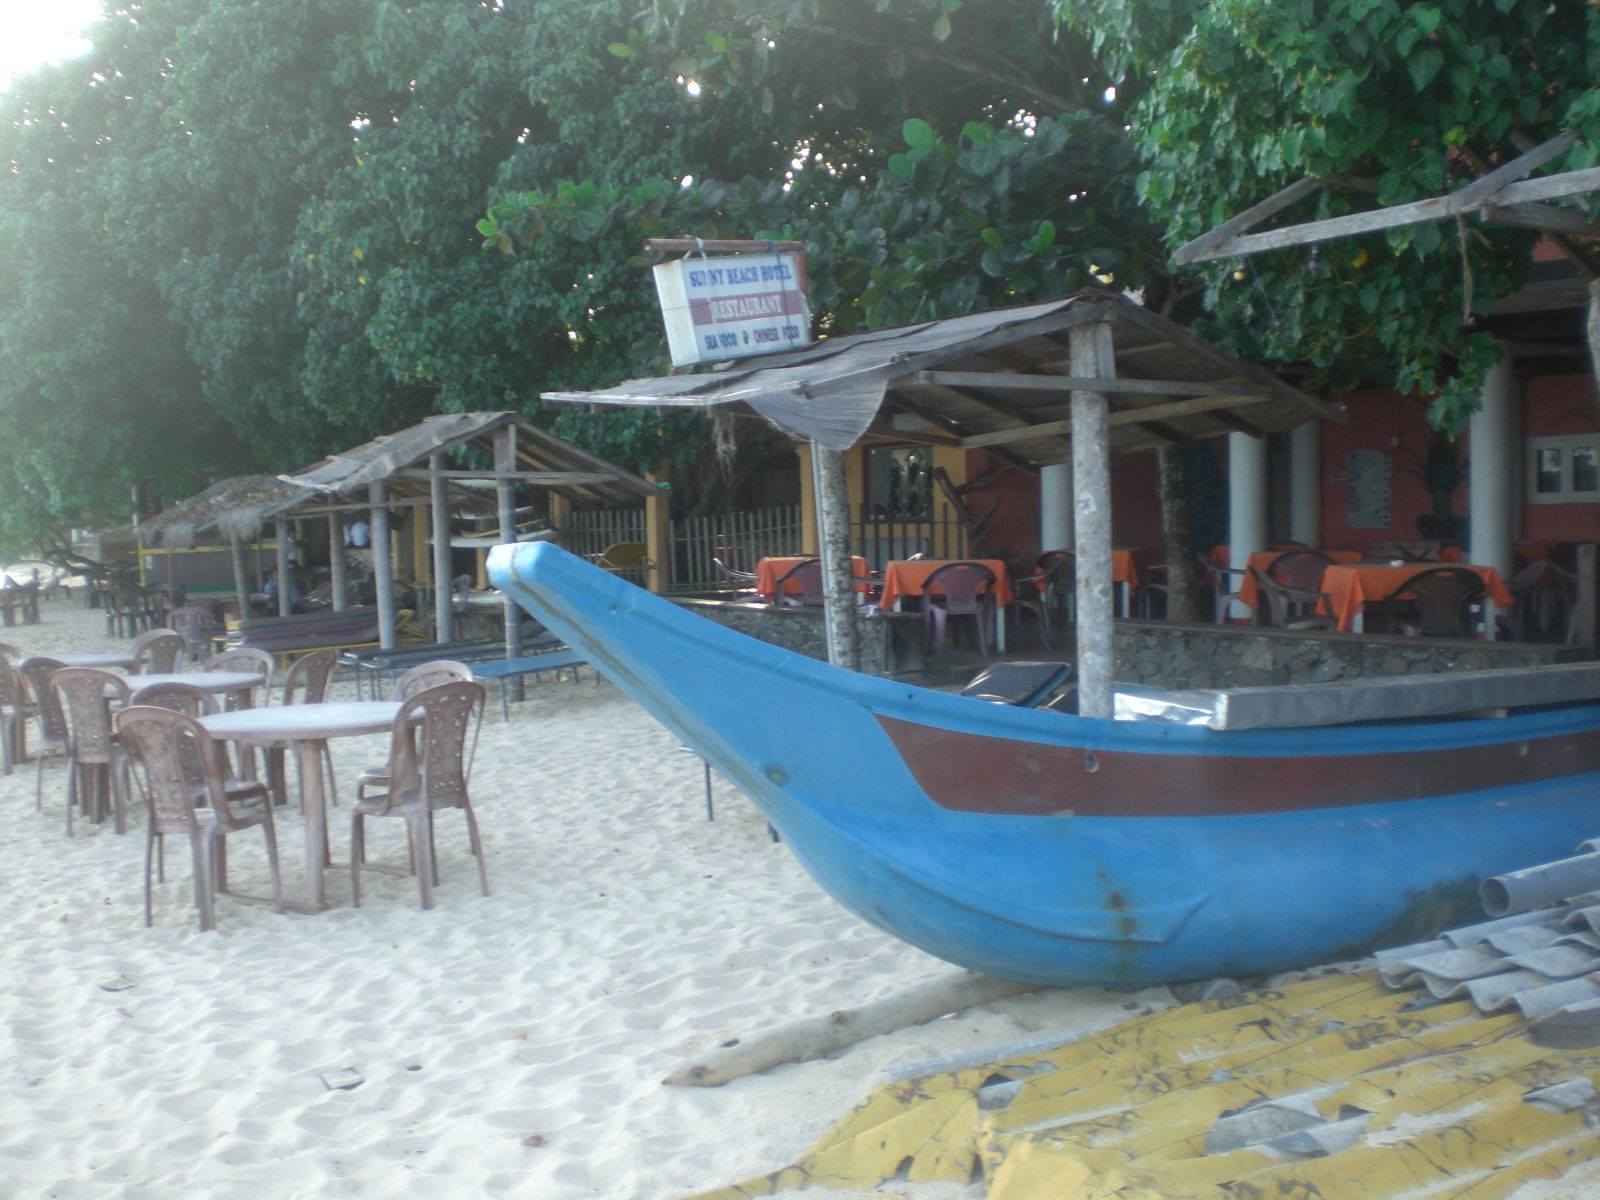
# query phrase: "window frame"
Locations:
[[1567, 446]]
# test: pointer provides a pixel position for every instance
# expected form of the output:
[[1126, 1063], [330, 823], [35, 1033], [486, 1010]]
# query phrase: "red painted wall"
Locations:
[[1554, 405], [1385, 421], [1014, 528]]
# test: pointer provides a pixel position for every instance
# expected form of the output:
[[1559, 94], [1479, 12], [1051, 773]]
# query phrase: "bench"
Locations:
[[529, 664], [383, 666], [287, 637]]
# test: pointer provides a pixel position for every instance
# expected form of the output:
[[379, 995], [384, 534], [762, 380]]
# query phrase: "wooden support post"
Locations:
[[1093, 356], [1585, 607], [505, 461], [439, 519], [560, 514], [657, 541], [838, 579], [241, 576], [382, 564], [338, 564], [285, 571]]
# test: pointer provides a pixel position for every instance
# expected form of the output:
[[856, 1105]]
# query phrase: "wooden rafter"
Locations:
[[1214, 406], [1505, 188], [1011, 381]]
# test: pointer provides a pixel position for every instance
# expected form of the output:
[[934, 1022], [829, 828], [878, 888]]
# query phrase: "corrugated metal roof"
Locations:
[[837, 390]]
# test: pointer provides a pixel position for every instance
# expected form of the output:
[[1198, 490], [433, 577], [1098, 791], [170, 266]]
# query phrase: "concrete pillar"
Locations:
[[1305, 483], [1492, 451], [1055, 507], [1247, 503]]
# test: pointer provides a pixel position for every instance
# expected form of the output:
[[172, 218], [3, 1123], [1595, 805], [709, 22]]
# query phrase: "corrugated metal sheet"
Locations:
[[834, 390]]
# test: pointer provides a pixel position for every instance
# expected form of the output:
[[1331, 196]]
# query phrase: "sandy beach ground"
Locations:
[[509, 1045]]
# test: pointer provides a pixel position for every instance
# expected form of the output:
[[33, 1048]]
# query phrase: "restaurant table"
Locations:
[[306, 727], [770, 570], [105, 660], [1249, 593], [1349, 586], [240, 683], [906, 578]]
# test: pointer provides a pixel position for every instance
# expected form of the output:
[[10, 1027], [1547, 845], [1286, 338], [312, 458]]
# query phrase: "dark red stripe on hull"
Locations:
[[970, 772]]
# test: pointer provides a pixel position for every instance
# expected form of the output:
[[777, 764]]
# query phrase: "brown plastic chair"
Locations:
[[305, 682], [419, 678], [14, 714], [807, 577], [1435, 603], [1293, 607], [428, 765], [242, 658], [957, 589], [1300, 569], [188, 794], [46, 709], [1050, 589], [196, 625], [1225, 583], [97, 767], [155, 652]]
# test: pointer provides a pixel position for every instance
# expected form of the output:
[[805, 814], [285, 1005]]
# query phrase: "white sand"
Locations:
[[512, 1045]]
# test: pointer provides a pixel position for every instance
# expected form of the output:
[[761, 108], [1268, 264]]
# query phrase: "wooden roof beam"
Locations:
[[1207, 406], [1505, 185], [941, 420], [1111, 385]]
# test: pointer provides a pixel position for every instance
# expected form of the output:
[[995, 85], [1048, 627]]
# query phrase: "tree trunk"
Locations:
[[1183, 581]]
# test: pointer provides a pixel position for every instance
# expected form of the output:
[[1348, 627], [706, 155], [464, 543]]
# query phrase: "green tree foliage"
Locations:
[[1391, 102]]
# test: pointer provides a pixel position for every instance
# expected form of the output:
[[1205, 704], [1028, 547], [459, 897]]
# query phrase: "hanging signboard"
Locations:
[[732, 306]]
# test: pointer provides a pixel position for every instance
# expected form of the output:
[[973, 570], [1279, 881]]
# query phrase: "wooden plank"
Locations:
[[1007, 380], [1126, 416], [1093, 356], [1250, 217], [1215, 242], [1572, 183], [1542, 216]]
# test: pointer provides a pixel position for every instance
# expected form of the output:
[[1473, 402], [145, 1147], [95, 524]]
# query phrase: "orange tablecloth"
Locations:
[[770, 570], [1262, 559], [906, 579], [1349, 586]]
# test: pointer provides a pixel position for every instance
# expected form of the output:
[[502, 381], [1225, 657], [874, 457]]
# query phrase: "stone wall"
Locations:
[[1160, 653], [1217, 656], [891, 643]]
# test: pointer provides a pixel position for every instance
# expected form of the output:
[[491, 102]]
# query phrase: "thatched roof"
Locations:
[[240, 507], [235, 508], [542, 460]]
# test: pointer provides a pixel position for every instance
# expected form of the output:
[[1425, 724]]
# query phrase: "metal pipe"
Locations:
[[1532, 887]]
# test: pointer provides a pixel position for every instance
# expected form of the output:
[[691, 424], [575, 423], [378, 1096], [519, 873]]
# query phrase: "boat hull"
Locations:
[[1073, 850]]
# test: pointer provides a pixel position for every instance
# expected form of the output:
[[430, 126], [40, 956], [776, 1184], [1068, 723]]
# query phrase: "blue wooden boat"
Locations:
[[1069, 850]]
